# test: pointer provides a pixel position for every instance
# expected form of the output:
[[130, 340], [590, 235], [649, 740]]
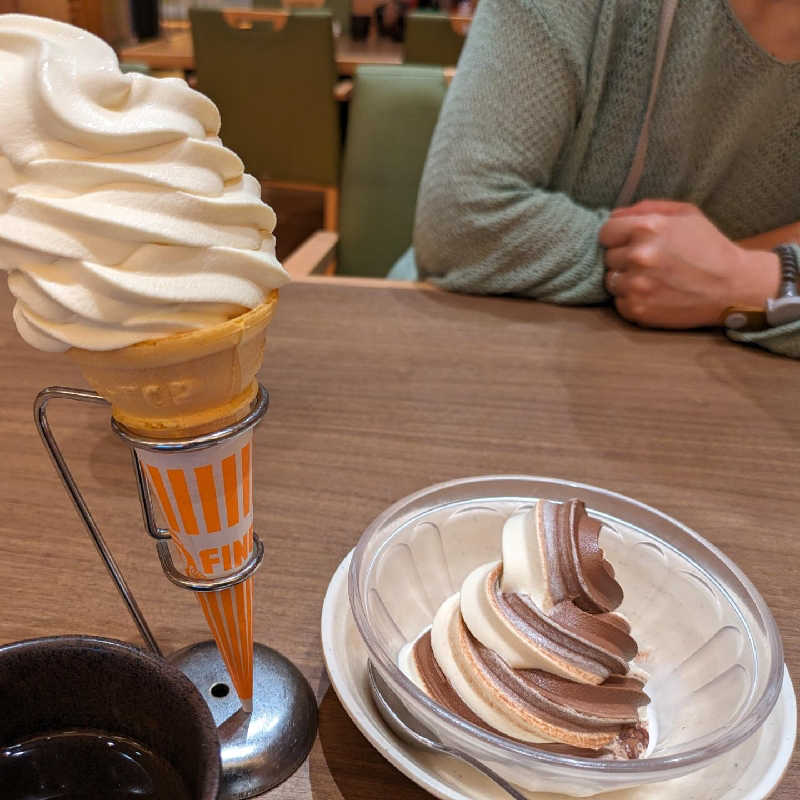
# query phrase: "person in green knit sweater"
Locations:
[[645, 151]]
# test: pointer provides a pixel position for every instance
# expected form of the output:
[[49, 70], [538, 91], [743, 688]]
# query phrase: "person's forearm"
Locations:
[[529, 242], [769, 239]]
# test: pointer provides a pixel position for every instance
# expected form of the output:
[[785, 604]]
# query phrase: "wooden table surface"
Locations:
[[377, 392], [174, 50]]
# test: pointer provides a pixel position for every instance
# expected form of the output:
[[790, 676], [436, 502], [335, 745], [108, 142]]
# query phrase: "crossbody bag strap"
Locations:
[[668, 9]]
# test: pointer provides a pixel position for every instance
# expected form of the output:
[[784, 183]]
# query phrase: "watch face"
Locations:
[[783, 310]]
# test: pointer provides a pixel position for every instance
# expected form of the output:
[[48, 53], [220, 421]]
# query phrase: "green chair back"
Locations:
[[267, 4], [430, 39], [274, 90], [392, 116], [340, 11], [133, 66]]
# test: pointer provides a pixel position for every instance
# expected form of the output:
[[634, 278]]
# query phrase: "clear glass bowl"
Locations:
[[706, 636]]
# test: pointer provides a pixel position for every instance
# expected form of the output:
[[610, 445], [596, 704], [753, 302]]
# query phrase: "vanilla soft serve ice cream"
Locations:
[[122, 216]]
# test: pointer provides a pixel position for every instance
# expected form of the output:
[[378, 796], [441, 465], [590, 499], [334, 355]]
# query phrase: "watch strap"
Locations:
[[790, 268], [786, 306]]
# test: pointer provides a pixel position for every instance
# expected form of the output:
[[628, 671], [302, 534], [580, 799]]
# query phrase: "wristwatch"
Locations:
[[780, 310]]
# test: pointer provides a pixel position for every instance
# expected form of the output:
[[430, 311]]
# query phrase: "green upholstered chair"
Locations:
[[393, 113], [340, 9], [272, 73], [267, 4], [132, 66], [433, 38]]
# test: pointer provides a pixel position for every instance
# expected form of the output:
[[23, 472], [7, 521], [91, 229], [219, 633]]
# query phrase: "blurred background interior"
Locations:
[[330, 103]]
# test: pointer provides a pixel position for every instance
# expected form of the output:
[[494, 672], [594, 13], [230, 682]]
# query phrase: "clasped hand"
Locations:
[[668, 266]]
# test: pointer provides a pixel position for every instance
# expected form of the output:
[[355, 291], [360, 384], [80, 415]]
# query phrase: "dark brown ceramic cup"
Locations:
[[88, 683]]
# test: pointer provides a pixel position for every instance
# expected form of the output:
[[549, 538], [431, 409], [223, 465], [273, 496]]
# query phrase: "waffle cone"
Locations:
[[186, 384]]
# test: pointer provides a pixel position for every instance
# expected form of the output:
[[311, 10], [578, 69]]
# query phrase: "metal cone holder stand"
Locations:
[[259, 748]]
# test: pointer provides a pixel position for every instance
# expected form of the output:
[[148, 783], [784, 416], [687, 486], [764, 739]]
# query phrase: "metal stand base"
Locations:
[[261, 749]]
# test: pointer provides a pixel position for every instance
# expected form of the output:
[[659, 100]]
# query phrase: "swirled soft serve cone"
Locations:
[[124, 219]]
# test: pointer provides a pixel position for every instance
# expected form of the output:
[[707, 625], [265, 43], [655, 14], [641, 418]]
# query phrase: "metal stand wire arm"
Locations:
[[161, 535], [43, 426]]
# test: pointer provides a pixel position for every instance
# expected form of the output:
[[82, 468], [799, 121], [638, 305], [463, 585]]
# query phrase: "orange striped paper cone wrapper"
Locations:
[[206, 499]]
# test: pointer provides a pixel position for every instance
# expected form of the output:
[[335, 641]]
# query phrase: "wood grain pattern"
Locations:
[[377, 392], [174, 50]]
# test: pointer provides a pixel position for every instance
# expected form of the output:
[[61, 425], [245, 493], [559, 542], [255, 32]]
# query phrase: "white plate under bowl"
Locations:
[[731, 777]]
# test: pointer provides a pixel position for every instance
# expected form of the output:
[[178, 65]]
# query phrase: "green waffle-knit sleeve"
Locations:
[[486, 221]]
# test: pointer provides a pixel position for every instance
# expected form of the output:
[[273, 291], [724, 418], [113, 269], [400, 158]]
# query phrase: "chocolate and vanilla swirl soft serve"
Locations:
[[531, 647]]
